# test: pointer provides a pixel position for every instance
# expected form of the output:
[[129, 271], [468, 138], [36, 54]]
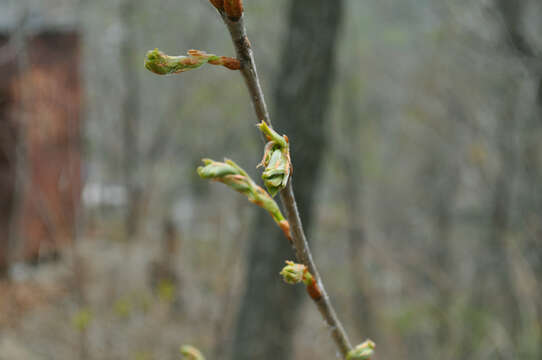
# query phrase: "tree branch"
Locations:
[[299, 241], [248, 66]]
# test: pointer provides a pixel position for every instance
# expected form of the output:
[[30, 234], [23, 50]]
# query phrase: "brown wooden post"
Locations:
[[49, 92]]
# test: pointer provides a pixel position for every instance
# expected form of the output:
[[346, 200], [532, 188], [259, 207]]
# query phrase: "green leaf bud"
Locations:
[[232, 175], [215, 169], [163, 64], [276, 173], [191, 353], [293, 273], [363, 351], [276, 160]]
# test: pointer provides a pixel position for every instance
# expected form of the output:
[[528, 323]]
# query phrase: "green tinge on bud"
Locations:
[[214, 169], [272, 135], [277, 172], [293, 273], [234, 176], [276, 160], [191, 353], [163, 64], [363, 351]]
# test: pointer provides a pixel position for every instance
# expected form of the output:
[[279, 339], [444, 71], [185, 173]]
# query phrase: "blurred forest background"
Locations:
[[420, 173]]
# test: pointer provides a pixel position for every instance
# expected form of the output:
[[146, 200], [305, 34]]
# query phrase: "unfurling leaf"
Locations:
[[293, 273], [163, 64], [234, 176], [191, 353], [276, 160], [363, 351]]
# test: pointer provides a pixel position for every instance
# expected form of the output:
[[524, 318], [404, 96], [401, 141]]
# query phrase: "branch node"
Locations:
[[294, 273], [218, 4]]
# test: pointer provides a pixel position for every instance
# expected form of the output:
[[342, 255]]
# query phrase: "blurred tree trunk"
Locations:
[[513, 15], [268, 311], [497, 295], [8, 144], [444, 182], [493, 298], [130, 115]]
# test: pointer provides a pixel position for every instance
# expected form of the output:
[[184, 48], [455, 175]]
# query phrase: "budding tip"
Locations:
[[154, 62], [229, 161], [363, 351], [189, 352], [293, 273]]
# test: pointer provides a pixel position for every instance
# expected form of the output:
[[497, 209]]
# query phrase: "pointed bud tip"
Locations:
[[154, 54], [216, 170]]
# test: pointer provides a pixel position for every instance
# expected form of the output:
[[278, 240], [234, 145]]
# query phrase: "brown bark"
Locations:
[[268, 312]]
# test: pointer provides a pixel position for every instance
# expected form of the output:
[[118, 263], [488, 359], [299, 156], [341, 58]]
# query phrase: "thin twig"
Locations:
[[303, 254], [248, 66]]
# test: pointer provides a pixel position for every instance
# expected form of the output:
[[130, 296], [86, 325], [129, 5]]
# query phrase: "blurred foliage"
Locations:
[[166, 291], [82, 319]]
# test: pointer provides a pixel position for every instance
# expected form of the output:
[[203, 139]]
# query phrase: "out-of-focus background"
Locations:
[[416, 128]]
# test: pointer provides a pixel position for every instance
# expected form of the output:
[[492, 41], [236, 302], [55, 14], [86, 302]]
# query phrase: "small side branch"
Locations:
[[163, 64]]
